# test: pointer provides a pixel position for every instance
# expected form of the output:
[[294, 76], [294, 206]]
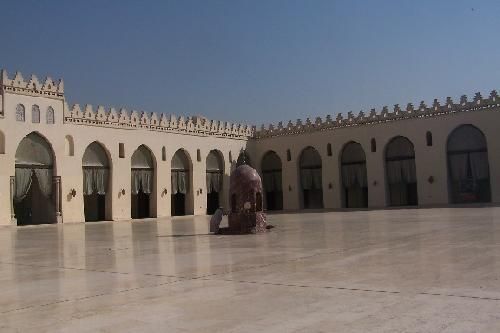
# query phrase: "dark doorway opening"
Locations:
[[178, 204], [140, 205], [212, 202], [95, 207], [36, 208]]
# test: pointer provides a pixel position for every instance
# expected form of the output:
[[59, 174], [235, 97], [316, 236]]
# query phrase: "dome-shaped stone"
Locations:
[[246, 201], [245, 178]]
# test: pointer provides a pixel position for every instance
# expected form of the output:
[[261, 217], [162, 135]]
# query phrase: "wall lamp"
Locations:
[[123, 191], [72, 192]]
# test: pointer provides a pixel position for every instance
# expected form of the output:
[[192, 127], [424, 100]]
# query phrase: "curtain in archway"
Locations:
[[95, 181], [179, 181], [401, 172], [468, 165], [214, 182], [142, 179]]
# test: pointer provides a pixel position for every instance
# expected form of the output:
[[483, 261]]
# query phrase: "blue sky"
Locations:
[[256, 61]]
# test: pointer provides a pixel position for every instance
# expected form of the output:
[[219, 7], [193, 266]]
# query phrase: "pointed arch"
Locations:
[[143, 183], [401, 175], [20, 113], [97, 185], [271, 167], [35, 196], [310, 166], [354, 176], [35, 114], [181, 181], [50, 116], [468, 165], [215, 179]]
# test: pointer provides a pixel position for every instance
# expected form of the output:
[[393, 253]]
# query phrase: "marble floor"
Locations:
[[422, 270]]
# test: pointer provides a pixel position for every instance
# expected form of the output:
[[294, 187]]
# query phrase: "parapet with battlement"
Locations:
[[33, 87], [437, 109]]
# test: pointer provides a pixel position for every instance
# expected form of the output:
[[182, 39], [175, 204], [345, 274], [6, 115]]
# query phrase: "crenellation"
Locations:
[[201, 125], [32, 87], [102, 114], [190, 125], [449, 103], [422, 107], [493, 96], [113, 116], [181, 123], [154, 119], [463, 100], [318, 123], [89, 112], [385, 112], [478, 98], [33, 83], [124, 118], [437, 109]]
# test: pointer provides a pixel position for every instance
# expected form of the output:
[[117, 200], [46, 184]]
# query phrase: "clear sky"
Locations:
[[256, 61]]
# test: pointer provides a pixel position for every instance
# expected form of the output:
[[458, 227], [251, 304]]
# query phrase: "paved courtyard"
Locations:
[[426, 270]]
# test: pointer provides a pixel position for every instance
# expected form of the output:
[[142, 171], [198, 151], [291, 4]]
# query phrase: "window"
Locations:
[[329, 149], [20, 112], [373, 145], [230, 157], [35, 114], [163, 154], [69, 146], [288, 155], [428, 138], [198, 155], [121, 150], [50, 115]]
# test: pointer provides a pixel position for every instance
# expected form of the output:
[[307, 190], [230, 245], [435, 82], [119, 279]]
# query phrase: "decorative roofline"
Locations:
[[32, 87], [423, 111], [152, 121]]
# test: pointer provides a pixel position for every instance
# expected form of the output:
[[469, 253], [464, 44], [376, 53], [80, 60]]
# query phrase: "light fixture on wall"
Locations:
[[430, 179], [330, 186], [375, 183], [123, 191], [165, 191], [72, 192]]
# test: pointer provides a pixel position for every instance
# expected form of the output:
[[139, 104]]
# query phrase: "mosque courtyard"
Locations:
[[409, 270]]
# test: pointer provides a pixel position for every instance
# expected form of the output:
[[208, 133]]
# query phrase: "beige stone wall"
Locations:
[[430, 161], [82, 126], [69, 168]]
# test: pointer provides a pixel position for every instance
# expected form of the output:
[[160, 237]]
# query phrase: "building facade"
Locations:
[[62, 164]]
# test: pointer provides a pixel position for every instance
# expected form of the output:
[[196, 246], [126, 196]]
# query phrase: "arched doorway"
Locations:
[[180, 173], [142, 183], [215, 174], [271, 174], [468, 166], [33, 198], [96, 183], [311, 178], [401, 172], [354, 178]]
